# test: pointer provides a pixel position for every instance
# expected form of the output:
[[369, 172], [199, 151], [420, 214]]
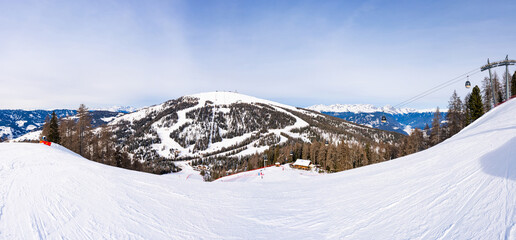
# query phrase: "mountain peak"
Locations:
[[227, 98], [122, 109]]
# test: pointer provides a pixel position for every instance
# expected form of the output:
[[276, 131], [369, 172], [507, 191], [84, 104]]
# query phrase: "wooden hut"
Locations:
[[302, 164]]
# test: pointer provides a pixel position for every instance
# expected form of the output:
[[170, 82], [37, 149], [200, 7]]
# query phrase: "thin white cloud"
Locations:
[[118, 53]]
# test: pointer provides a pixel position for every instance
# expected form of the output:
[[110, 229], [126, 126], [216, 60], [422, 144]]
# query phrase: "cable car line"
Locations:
[[435, 89], [438, 87], [424, 95]]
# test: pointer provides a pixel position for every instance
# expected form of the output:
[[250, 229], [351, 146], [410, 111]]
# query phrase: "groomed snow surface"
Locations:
[[464, 188]]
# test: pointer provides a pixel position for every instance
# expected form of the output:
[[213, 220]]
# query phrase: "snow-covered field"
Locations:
[[270, 174], [464, 188]]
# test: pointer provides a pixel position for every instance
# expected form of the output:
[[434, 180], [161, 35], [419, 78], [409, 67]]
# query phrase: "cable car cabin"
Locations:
[[468, 84], [384, 119]]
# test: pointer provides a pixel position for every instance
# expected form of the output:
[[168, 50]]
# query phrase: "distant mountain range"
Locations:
[[120, 109], [17, 122], [402, 120]]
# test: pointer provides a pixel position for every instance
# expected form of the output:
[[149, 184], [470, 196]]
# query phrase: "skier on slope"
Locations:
[[44, 141]]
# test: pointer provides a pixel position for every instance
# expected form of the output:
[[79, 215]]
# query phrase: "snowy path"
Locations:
[[463, 188]]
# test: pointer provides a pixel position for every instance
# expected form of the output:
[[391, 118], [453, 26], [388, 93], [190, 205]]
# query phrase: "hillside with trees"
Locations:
[[235, 135]]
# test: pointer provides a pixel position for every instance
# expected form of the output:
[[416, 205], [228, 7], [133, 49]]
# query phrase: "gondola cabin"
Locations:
[[468, 84], [384, 119]]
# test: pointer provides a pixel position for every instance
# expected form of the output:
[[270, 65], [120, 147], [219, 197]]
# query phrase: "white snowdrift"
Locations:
[[464, 188]]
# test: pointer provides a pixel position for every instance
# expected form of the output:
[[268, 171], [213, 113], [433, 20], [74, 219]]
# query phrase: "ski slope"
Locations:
[[170, 147], [279, 174], [463, 188]]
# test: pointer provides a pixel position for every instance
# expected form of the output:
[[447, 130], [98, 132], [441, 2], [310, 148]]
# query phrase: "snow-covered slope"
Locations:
[[278, 174], [228, 124], [463, 188]]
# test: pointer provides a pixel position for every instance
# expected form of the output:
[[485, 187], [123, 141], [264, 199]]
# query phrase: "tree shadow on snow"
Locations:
[[502, 161]]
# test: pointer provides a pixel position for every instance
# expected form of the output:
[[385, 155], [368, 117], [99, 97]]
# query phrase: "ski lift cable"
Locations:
[[419, 97], [472, 72], [438, 87], [430, 92]]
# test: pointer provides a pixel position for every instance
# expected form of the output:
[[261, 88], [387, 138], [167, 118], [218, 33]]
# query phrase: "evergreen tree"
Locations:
[[53, 129], [475, 105], [467, 112], [455, 114], [513, 84]]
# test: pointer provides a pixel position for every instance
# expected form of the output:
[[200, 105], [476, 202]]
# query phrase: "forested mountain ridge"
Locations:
[[232, 125]]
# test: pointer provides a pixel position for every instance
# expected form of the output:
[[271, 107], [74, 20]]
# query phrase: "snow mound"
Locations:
[[463, 188], [30, 136]]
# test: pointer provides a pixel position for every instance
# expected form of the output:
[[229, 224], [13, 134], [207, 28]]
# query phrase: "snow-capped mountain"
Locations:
[[120, 109], [462, 188], [16, 123], [402, 120], [229, 124], [365, 108]]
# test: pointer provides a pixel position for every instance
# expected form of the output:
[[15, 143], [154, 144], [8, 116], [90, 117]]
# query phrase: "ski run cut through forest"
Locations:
[[462, 188]]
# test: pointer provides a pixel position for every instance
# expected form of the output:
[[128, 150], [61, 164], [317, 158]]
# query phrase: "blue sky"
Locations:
[[58, 54]]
